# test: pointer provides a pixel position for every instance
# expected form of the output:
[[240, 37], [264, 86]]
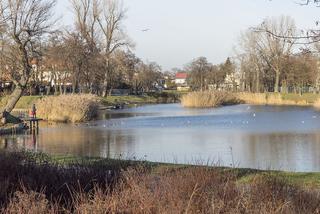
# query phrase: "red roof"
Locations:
[[181, 75]]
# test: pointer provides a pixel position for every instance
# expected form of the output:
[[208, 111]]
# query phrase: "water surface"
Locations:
[[264, 137]]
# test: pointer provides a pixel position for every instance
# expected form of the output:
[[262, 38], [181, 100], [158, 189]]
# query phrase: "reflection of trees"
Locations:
[[71, 140], [12, 143], [4, 143], [84, 141]]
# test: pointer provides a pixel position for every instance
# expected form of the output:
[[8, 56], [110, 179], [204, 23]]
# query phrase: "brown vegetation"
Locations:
[[317, 104], [32, 184], [49, 182], [218, 98], [208, 99], [68, 108], [268, 99]]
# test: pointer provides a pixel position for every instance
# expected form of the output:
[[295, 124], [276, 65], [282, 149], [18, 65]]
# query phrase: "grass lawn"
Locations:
[[301, 179], [25, 102], [132, 99], [244, 175]]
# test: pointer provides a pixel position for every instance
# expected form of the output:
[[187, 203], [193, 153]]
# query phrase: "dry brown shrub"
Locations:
[[68, 108], [30, 202], [317, 104], [208, 99], [162, 189], [200, 190], [267, 99]]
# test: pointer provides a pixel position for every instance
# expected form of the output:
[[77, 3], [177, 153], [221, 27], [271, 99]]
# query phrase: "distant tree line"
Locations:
[[203, 75], [270, 57]]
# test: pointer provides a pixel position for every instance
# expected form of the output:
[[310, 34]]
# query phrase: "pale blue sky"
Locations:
[[181, 30]]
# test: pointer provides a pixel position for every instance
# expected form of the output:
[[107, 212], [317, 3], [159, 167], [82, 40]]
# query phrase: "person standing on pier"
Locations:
[[34, 111]]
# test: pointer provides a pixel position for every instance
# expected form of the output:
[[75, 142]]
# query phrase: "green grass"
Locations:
[[150, 98], [244, 176], [25, 102], [132, 99], [302, 179]]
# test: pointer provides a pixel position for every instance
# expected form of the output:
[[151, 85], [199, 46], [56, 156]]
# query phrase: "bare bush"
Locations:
[[68, 108], [208, 99], [99, 187]]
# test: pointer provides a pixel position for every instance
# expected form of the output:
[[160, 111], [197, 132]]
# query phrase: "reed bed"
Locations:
[[68, 108], [208, 99], [317, 104], [28, 185], [268, 99], [219, 98]]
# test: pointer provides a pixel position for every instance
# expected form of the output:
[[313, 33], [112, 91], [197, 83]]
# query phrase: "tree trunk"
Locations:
[[56, 89], [13, 99], [277, 80], [258, 81], [105, 89], [105, 85]]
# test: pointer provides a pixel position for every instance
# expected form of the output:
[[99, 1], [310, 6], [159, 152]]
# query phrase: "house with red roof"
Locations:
[[181, 78]]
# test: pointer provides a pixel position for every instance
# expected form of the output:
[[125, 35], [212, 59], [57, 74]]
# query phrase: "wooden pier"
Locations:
[[33, 123]]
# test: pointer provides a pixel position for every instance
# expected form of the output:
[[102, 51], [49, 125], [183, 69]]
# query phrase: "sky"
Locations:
[[182, 30]]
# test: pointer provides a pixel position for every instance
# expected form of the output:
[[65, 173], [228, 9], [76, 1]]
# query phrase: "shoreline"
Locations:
[[304, 178], [11, 129]]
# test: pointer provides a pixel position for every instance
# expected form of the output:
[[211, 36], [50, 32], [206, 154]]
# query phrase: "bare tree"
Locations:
[[87, 27], [86, 21], [110, 19], [275, 50], [198, 70], [24, 23], [250, 55], [99, 22], [148, 75]]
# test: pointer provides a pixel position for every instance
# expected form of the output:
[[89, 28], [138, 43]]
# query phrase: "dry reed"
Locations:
[[268, 99], [68, 108], [208, 99], [317, 104]]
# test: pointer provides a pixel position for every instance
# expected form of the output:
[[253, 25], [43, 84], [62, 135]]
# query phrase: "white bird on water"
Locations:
[[145, 30]]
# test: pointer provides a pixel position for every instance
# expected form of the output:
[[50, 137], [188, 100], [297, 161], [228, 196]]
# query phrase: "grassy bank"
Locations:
[[150, 98], [217, 98], [25, 102], [37, 183], [83, 107], [277, 99]]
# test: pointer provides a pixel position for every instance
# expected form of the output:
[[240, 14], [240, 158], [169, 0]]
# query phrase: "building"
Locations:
[[181, 78]]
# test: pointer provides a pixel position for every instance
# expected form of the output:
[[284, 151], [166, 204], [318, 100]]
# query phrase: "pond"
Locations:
[[262, 137]]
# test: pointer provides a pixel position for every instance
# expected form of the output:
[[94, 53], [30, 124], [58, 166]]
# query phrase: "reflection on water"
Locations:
[[285, 138]]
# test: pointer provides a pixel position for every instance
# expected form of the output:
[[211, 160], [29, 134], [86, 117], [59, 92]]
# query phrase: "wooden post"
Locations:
[[37, 126]]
